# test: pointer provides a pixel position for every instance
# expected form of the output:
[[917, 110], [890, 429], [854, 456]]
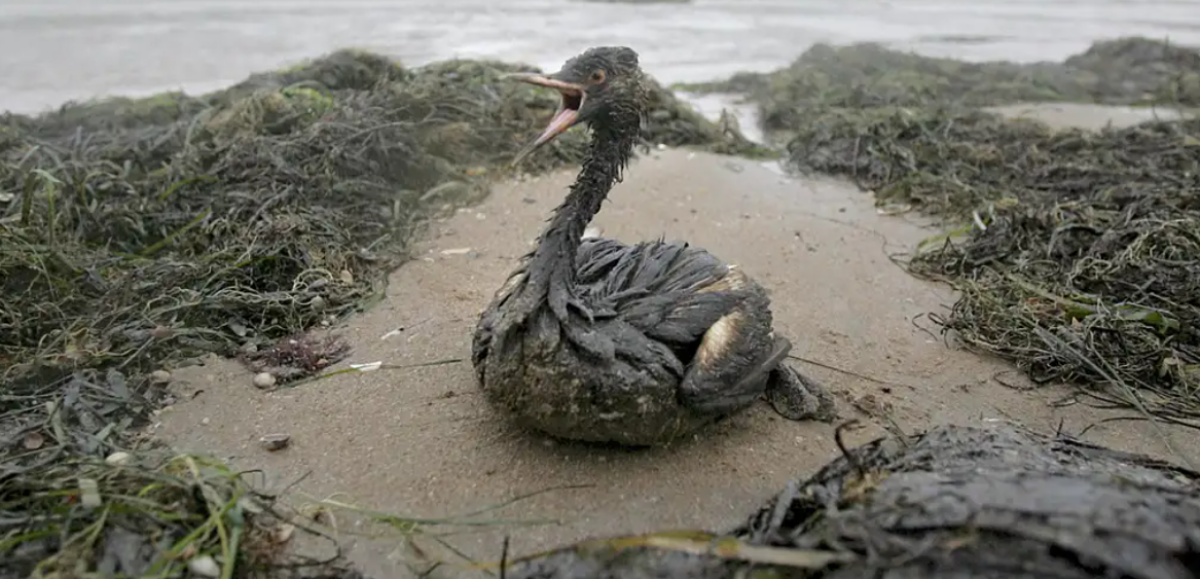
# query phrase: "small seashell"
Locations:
[[283, 533], [33, 440], [205, 566], [264, 380], [119, 458], [274, 442]]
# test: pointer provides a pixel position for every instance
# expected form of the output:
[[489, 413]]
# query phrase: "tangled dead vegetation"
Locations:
[[952, 502], [151, 514], [138, 233], [1081, 260], [1080, 251]]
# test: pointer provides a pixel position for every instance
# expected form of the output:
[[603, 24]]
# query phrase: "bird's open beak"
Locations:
[[573, 97]]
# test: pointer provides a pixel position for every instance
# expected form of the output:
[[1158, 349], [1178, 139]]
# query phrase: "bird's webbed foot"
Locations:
[[798, 397]]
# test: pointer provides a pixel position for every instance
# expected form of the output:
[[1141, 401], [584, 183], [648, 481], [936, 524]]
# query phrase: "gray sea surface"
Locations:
[[55, 50]]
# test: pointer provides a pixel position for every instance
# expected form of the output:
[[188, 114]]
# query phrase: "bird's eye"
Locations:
[[598, 76]]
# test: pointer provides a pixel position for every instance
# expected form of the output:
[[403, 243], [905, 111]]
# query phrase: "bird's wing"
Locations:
[[655, 286]]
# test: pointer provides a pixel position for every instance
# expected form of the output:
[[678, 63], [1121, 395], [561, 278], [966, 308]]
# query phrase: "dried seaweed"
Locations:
[[951, 502]]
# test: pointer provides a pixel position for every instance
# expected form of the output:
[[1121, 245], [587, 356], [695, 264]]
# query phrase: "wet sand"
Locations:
[[421, 441]]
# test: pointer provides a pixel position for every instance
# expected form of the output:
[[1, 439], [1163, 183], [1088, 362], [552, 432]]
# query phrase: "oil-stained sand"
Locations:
[[421, 442]]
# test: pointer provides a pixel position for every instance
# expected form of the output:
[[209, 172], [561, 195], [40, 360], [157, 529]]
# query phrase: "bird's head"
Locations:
[[603, 87]]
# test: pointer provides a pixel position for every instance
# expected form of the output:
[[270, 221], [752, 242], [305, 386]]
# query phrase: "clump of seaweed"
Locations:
[[951, 502], [1083, 264], [150, 514], [1082, 251], [138, 233], [1127, 71], [295, 357]]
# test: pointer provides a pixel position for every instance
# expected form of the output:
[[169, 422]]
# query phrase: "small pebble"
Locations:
[[273, 442], [283, 533], [33, 441], [205, 566], [264, 380], [205, 421], [160, 377], [317, 303], [250, 505], [119, 458]]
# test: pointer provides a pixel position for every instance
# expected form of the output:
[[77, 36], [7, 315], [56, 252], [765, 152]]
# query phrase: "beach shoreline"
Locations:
[[422, 442], [62, 50], [247, 186]]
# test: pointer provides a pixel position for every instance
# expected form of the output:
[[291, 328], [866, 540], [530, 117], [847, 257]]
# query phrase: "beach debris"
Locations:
[[296, 357], [133, 508], [204, 566], [982, 494], [119, 458], [457, 251], [89, 493], [33, 440], [274, 442], [283, 533], [367, 367], [264, 380]]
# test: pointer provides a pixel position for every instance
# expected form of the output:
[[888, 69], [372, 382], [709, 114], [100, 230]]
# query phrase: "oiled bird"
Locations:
[[595, 340]]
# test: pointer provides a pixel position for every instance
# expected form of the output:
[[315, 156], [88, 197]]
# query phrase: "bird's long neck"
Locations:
[[551, 268]]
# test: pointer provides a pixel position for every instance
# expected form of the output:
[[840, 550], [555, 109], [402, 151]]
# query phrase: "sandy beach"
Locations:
[[379, 137], [421, 441]]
